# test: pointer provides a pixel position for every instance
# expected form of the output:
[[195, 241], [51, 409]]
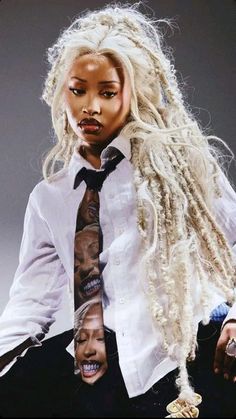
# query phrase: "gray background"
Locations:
[[204, 51]]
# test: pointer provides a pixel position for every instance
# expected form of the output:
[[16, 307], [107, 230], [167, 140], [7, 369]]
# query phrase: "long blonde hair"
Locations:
[[175, 170]]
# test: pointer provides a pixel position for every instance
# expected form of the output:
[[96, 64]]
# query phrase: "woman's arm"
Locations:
[[36, 292]]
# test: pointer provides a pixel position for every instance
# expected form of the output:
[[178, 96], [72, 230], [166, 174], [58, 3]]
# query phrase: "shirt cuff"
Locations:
[[230, 316], [35, 342]]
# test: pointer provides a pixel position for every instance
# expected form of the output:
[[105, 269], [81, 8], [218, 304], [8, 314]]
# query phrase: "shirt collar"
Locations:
[[120, 143]]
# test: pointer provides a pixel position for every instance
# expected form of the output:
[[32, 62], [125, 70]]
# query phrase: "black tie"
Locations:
[[90, 351]]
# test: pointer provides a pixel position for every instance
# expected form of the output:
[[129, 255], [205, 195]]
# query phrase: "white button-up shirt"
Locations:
[[46, 265]]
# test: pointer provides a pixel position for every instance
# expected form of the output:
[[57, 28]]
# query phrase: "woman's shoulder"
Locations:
[[56, 185]]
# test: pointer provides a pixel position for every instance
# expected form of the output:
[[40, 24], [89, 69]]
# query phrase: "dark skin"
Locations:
[[86, 261], [95, 87]]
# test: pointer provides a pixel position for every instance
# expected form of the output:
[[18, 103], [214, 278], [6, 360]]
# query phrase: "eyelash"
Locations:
[[78, 92], [80, 341]]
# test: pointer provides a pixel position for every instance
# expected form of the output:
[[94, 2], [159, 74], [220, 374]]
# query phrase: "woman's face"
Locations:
[[90, 347], [97, 99], [87, 279]]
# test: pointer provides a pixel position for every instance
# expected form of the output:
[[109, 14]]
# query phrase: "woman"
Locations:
[[167, 249]]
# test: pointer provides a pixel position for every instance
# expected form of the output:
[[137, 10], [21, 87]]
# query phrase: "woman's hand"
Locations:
[[224, 364]]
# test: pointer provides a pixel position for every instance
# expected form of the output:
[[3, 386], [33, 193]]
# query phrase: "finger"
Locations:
[[232, 376], [219, 357], [228, 369]]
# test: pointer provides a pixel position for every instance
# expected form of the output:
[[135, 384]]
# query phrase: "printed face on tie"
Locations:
[[90, 351], [97, 99], [89, 209], [87, 280]]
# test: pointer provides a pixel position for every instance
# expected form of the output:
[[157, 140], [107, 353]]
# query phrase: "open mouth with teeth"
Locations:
[[90, 286], [90, 368]]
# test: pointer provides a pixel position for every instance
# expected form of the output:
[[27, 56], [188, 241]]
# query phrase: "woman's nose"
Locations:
[[92, 107], [90, 112], [89, 349]]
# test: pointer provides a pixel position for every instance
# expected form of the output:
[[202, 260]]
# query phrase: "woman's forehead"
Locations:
[[93, 321], [87, 234], [92, 62]]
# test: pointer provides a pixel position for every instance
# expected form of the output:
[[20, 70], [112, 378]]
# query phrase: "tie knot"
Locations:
[[94, 178]]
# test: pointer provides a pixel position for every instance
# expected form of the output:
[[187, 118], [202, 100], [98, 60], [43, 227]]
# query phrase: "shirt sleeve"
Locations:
[[225, 211], [38, 286]]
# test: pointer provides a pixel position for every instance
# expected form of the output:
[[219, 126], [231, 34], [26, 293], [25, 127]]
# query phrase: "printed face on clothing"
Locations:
[[89, 209], [87, 280], [97, 99], [90, 351]]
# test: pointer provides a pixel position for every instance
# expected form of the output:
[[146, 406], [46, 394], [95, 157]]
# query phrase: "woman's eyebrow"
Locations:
[[109, 82], [100, 82], [77, 78]]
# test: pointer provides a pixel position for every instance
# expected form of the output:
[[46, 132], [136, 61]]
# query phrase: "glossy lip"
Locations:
[[89, 121]]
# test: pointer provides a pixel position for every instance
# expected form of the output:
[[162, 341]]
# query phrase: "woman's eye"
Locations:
[[100, 339], [80, 341], [109, 94], [77, 92]]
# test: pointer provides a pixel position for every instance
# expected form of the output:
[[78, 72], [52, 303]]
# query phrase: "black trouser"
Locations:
[[42, 384]]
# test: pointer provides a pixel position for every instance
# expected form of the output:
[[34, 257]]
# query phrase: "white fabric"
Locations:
[[45, 270]]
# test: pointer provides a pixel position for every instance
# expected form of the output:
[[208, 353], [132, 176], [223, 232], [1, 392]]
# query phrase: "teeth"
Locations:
[[92, 284], [90, 367]]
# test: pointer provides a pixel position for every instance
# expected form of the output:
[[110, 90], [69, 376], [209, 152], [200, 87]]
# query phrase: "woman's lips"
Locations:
[[90, 368], [90, 125], [87, 128]]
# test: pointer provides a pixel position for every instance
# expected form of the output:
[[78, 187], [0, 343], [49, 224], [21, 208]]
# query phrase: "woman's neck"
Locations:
[[92, 152], [92, 155]]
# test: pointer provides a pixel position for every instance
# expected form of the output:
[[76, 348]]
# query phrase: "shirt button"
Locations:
[[117, 261], [122, 300], [111, 195]]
